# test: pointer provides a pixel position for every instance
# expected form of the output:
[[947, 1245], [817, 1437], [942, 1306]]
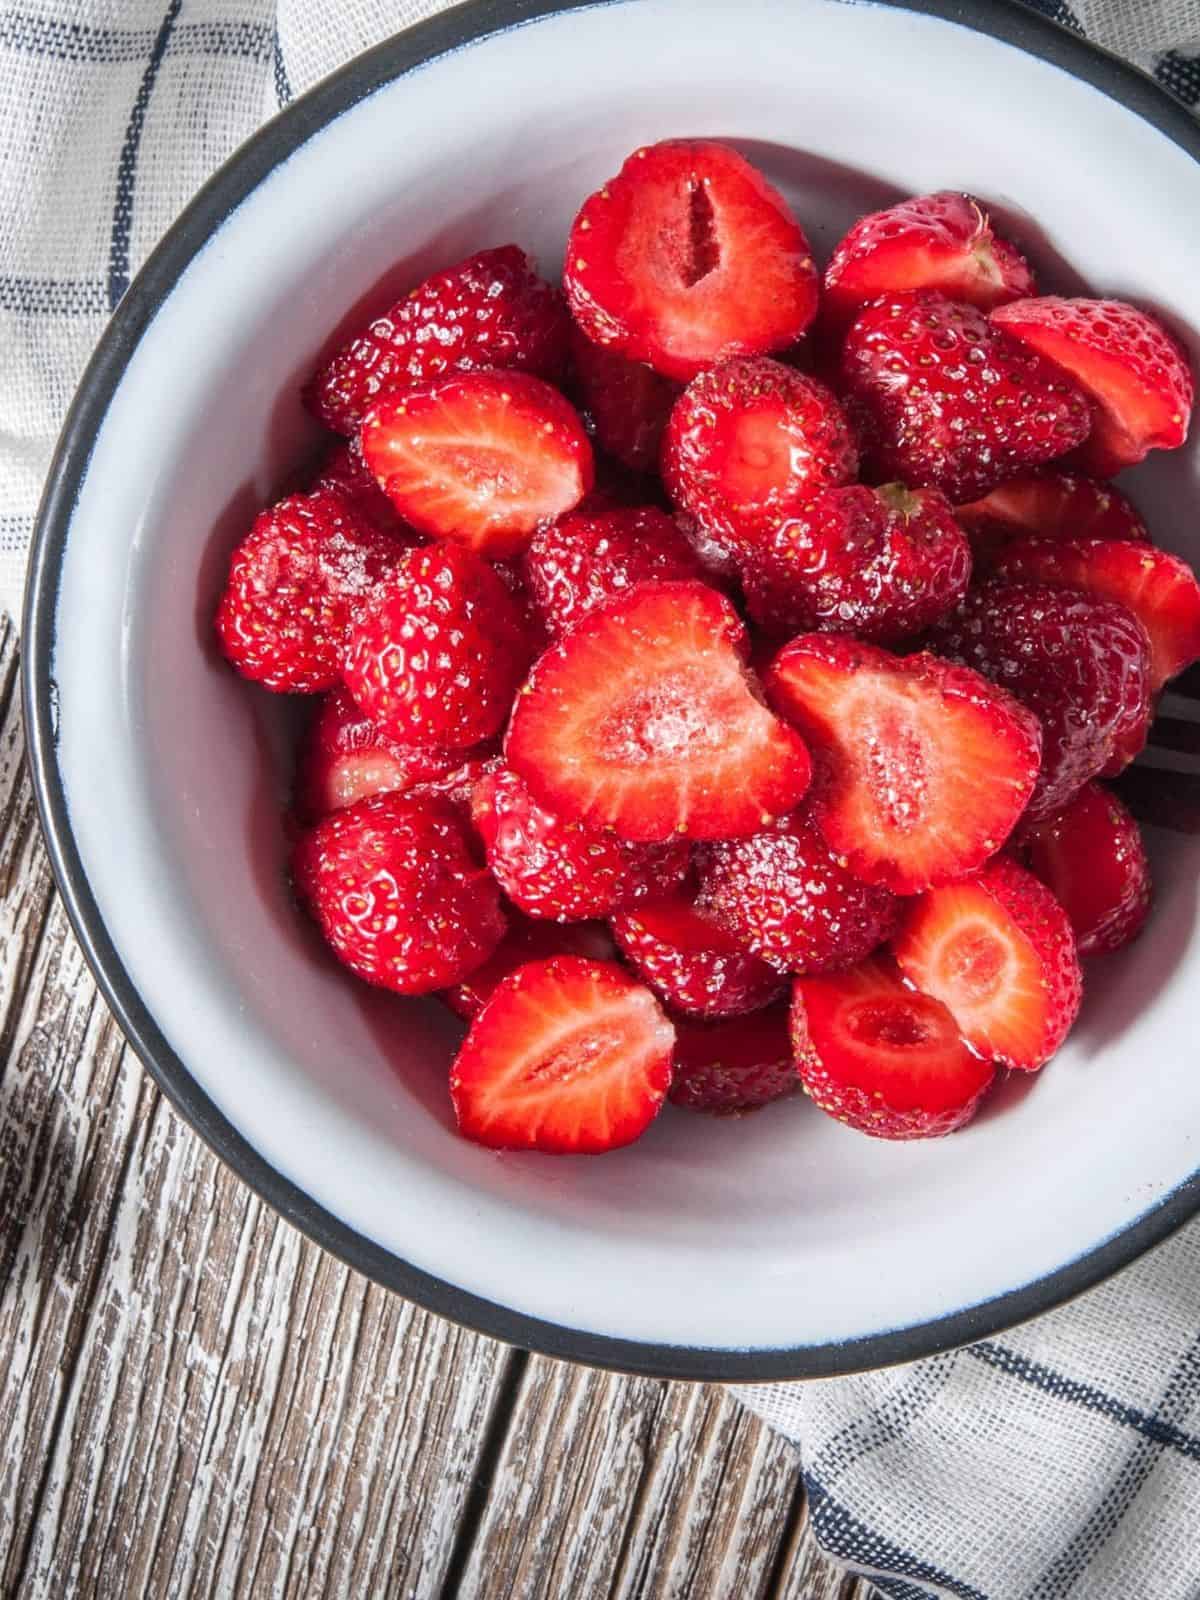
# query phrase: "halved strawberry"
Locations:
[[1092, 860], [922, 769], [882, 1058], [998, 951], [1159, 588], [644, 719], [689, 256], [482, 459], [567, 1056], [691, 962], [526, 941], [935, 241], [1135, 373], [1056, 505], [627, 401], [345, 472], [735, 1065]]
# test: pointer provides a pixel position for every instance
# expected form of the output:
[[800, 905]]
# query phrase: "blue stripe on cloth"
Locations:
[[1062, 1575], [1085, 1395], [81, 42], [54, 297], [853, 1542], [15, 532], [122, 223], [283, 84], [1180, 74], [899, 1589]]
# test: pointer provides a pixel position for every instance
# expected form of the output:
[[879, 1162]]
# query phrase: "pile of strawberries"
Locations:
[[717, 676]]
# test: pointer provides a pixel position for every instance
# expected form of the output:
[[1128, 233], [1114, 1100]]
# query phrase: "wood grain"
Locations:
[[196, 1400]]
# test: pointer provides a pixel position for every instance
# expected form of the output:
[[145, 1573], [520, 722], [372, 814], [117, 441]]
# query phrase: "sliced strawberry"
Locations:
[[566, 871], [397, 891], [491, 310], [627, 402], [1135, 373], [1160, 589], [645, 720], [1092, 860], [346, 757], [936, 241], [567, 1056], [582, 561], [691, 962], [882, 1058], [750, 443], [436, 657], [735, 1065], [783, 894], [345, 472], [689, 256], [922, 770], [998, 951], [481, 459], [526, 941], [1056, 505], [948, 400]]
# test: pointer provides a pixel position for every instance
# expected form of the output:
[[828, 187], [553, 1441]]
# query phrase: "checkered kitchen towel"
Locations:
[[1062, 1459]]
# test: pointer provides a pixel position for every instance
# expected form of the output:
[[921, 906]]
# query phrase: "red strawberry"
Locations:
[[735, 1065], [882, 564], [690, 961], [783, 894], [567, 1056], [627, 401], [481, 459], [581, 561], [1160, 589], [345, 757], [937, 241], [1057, 505], [491, 310], [1081, 664], [997, 950], [750, 443], [1092, 860], [459, 785], [922, 770], [953, 401], [687, 257], [296, 583], [345, 472], [565, 871], [397, 892], [1134, 372], [437, 657], [882, 1058], [644, 719], [524, 942]]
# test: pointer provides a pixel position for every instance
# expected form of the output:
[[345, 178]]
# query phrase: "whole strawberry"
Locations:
[[491, 310], [626, 402], [398, 893], [296, 583], [882, 564], [1092, 859], [565, 871], [437, 657], [734, 1065], [953, 402], [751, 442], [691, 962], [345, 472]]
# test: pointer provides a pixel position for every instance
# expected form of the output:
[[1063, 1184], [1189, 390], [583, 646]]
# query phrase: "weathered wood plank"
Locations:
[[193, 1399]]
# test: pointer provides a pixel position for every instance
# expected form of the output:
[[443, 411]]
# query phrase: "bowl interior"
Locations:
[[781, 1231]]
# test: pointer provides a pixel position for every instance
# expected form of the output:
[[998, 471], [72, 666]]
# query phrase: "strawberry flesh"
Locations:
[[1053, 505], [999, 953], [567, 1056], [482, 459], [691, 962], [644, 719], [686, 257], [735, 1065], [922, 769], [1092, 860], [1135, 373], [878, 1056]]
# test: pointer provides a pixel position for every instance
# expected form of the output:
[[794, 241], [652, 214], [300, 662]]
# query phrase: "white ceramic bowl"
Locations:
[[780, 1245]]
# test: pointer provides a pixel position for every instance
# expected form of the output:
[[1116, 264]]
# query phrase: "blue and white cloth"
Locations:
[[1060, 1460]]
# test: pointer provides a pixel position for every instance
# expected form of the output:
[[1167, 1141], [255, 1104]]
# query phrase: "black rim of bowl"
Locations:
[[1007, 21]]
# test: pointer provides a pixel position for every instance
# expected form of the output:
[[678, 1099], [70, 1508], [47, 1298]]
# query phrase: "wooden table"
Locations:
[[196, 1400]]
